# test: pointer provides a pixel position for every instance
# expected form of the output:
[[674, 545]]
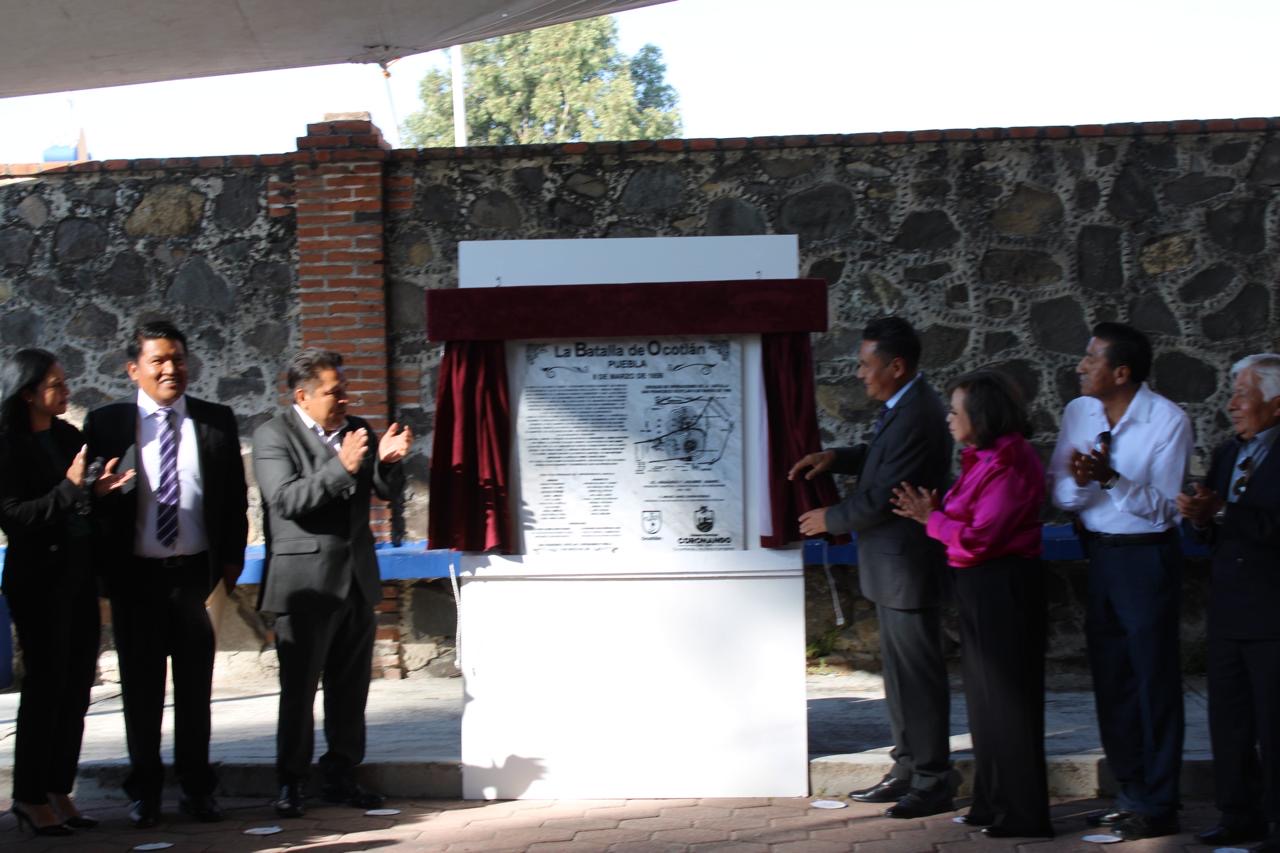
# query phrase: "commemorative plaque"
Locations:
[[631, 444]]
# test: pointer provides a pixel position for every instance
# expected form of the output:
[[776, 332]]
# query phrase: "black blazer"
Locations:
[[111, 431], [316, 516], [1245, 591], [898, 565], [35, 500]]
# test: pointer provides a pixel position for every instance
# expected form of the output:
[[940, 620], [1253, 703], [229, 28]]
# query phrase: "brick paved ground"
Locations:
[[621, 826]]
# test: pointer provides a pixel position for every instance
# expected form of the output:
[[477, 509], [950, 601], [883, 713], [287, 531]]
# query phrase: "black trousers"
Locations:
[[916, 694], [1244, 728], [338, 643], [1132, 631], [59, 631], [157, 616], [1002, 636]]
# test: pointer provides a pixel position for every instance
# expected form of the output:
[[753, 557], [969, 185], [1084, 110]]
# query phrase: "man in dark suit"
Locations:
[[164, 542], [1237, 510], [900, 569], [321, 579]]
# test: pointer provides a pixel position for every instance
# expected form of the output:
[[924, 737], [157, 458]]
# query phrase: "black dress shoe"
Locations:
[[290, 803], [352, 795], [1145, 826], [1229, 835], [922, 804], [978, 819], [890, 789], [1017, 832], [203, 808], [144, 814], [1107, 817]]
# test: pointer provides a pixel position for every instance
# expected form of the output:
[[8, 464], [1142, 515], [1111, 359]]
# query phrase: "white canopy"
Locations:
[[63, 45]]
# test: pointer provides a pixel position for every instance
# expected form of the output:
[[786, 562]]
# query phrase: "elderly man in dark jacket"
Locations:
[[1237, 510]]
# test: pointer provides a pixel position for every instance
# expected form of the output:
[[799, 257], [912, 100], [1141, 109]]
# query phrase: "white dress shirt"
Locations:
[[1150, 449], [192, 538], [332, 440]]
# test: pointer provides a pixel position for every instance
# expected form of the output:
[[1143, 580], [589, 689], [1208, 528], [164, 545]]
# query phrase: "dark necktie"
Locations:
[[881, 417], [167, 495]]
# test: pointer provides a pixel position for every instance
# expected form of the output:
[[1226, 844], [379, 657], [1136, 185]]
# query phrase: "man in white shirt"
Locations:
[[164, 545], [1118, 467]]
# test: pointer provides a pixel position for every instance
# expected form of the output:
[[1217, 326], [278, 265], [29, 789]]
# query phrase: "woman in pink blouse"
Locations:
[[989, 522]]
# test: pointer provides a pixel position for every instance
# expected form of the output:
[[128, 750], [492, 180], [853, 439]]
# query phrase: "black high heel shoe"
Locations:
[[25, 821], [74, 820]]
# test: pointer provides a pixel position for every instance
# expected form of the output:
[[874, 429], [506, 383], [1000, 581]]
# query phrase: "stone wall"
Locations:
[[1001, 245]]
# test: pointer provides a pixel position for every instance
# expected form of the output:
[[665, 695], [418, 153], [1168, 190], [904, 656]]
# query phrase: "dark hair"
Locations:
[[993, 403], [1128, 347], [894, 338], [306, 366], [151, 330], [21, 373]]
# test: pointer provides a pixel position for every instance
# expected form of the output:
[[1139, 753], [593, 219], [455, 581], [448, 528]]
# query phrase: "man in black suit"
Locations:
[[1237, 510], [165, 541], [321, 579], [900, 569]]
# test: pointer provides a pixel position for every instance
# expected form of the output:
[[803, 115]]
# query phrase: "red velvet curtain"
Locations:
[[793, 431], [469, 509]]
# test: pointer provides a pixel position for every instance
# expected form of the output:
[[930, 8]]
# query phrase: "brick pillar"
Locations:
[[339, 197], [338, 193]]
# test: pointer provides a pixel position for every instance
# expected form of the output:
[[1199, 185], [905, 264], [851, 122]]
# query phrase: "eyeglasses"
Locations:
[[1242, 481]]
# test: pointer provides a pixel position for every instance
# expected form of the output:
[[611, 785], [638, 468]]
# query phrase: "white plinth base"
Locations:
[[623, 688]]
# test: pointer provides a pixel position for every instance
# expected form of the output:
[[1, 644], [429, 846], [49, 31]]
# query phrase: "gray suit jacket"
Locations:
[[898, 565], [316, 516]]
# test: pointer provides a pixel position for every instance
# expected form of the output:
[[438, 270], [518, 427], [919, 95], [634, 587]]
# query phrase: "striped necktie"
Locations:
[[167, 496]]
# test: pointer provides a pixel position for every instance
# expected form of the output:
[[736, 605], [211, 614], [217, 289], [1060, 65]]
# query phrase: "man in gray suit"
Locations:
[[900, 569], [316, 473]]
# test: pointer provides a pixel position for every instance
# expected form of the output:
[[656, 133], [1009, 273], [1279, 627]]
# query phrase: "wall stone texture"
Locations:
[[1003, 246]]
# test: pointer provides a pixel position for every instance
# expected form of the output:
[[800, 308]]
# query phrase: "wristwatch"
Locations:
[[1110, 484]]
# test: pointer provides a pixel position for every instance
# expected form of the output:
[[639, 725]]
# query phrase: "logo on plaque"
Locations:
[[651, 519], [704, 519]]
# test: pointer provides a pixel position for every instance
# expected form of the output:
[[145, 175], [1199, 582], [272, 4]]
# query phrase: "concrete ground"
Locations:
[[414, 757]]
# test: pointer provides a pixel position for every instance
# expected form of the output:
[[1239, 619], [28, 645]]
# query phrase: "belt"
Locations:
[[177, 561], [1120, 540]]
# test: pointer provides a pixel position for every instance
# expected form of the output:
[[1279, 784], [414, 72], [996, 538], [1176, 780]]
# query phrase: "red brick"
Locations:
[[115, 165], [826, 139], [324, 141], [1024, 132], [1057, 132], [958, 134], [1121, 129], [1253, 124], [355, 257], [1188, 126], [352, 126], [894, 137], [863, 139], [1155, 127], [346, 155], [329, 270], [1219, 125], [986, 134], [272, 159], [91, 166], [1089, 130], [210, 162], [346, 179]]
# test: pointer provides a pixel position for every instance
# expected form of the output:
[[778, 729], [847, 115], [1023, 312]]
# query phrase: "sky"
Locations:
[[761, 68]]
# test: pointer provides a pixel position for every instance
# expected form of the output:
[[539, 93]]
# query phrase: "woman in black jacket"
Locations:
[[44, 504]]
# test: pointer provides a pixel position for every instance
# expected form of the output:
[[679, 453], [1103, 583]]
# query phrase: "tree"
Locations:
[[565, 83]]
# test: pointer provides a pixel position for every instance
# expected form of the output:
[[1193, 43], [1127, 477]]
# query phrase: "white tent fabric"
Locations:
[[63, 45]]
